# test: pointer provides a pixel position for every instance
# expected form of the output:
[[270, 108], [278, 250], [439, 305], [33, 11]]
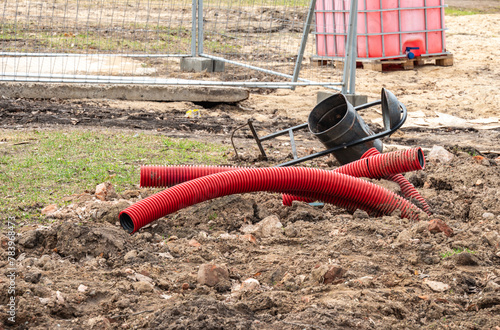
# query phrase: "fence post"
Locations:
[[200, 27], [193, 27], [351, 53], [303, 43]]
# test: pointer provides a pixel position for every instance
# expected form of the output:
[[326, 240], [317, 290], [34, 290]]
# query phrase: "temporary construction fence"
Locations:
[[262, 43]]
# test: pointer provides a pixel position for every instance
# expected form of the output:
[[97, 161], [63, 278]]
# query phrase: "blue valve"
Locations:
[[409, 52]]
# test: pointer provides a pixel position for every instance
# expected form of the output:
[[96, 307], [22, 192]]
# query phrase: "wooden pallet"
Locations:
[[385, 65]]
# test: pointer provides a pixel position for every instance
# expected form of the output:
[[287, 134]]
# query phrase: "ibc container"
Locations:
[[386, 28]]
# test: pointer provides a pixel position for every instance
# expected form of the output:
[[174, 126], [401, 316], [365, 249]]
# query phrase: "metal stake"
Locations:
[[256, 137], [292, 143]]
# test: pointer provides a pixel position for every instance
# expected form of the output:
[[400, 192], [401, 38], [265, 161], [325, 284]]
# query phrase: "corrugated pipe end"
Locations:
[[398, 157], [421, 157], [126, 222], [407, 189]]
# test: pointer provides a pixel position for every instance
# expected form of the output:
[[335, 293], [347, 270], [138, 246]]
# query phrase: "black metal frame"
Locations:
[[290, 131]]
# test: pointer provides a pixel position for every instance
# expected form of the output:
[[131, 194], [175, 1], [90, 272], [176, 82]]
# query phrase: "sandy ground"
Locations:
[[468, 89]]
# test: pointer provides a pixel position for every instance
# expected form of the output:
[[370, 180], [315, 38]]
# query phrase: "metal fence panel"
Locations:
[[93, 39], [143, 41]]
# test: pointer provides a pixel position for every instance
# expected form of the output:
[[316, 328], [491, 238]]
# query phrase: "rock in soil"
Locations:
[[105, 191], [439, 226], [437, 286], [269, 226], [211, 275]]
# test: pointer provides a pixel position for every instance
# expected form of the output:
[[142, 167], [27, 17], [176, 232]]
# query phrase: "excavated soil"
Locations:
[[319, 267], [383, 268]]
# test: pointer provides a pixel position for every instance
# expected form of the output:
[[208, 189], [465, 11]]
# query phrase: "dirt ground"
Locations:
[[304, 267]]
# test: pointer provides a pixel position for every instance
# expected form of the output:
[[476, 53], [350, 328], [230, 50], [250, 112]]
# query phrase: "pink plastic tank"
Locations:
[[386, 28]]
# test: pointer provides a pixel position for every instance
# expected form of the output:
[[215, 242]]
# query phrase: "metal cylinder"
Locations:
[[335, 122]]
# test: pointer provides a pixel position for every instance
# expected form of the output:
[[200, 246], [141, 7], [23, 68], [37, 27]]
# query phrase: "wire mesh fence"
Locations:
[[264, 34], [143, 41], [89, 39]]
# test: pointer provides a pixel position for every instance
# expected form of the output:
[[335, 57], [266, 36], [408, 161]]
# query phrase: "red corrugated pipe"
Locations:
[[376, 167], [407, 189], [275, 179], [167, 176]]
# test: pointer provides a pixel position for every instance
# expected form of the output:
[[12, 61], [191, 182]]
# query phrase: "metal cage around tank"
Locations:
[[386, 29]]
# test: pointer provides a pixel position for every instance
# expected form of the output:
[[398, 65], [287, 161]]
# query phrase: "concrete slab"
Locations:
[[95, 67], [354, 99], [123, 92]]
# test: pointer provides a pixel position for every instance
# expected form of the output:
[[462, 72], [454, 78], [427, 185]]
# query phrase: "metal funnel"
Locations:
[[335, 122], [391, 111]]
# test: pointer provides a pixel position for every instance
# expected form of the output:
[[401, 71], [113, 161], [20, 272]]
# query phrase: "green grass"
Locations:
[[49, 165], [455, 251], [158, 39], [453, 11]]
